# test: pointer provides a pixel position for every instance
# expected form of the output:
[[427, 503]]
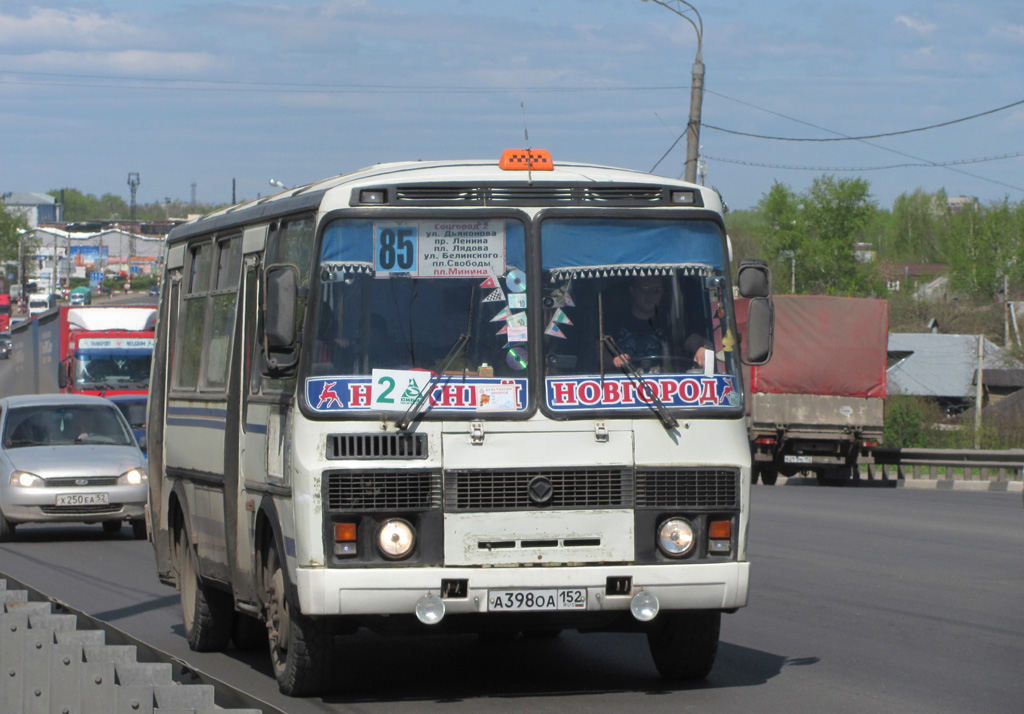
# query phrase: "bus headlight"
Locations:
[[25, 479], [675, 537], [396, 539], [132, 478]]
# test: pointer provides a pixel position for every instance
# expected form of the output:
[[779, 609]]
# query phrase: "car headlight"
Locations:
[[675, 537], [396, 538], [132, 478], [26, 480]]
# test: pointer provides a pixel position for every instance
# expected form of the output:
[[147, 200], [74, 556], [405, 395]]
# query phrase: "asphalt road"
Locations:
[[862, 600]]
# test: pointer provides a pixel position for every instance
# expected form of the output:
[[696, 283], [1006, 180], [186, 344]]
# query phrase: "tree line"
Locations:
[[817, 231]]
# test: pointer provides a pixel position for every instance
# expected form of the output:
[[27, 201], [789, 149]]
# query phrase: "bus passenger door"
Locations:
[[261, 434]]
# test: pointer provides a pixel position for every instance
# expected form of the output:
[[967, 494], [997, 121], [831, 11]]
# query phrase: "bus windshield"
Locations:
[[634, 302], [395, 298]]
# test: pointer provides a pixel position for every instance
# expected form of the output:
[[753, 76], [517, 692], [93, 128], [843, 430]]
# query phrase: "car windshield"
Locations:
[[53, 425]]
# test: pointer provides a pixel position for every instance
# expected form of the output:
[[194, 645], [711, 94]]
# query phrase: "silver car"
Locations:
[[69, 458]]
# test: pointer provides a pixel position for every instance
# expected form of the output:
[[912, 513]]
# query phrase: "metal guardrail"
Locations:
[[950, 464], [49, 663]]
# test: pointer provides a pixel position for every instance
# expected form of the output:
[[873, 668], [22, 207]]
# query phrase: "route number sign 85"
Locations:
[[395, 248]]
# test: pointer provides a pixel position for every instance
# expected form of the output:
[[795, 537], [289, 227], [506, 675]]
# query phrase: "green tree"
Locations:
[[912, 233], [836, 215], [10, 227], [980, 246]]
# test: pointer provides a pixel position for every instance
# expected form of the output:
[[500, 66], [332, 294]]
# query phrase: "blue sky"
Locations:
[[210, 92]]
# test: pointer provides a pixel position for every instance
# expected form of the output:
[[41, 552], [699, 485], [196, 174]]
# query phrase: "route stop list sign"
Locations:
[[439, 249]]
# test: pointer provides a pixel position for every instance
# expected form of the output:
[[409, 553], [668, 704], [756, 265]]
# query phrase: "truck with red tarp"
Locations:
[[819, 404], [104, 351]]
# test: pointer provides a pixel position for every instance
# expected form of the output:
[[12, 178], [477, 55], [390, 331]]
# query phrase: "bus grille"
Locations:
[[509, 490], [382, 490], [541, 193], [376, 446], [687, 488]]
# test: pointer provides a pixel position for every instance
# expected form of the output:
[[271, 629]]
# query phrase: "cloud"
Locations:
[[66, 28], [130, 62], [921, 26], [1014, 33]]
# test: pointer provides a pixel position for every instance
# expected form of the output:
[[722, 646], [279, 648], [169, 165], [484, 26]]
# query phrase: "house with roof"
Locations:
[[939, 367], [35, 208]]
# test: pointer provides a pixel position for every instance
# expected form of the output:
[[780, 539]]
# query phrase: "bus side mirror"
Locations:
[[757, 347], [280, 301], [754, 279]]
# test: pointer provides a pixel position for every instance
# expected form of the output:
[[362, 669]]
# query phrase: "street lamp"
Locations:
[[791, 254], [278, 184], [696, 86]]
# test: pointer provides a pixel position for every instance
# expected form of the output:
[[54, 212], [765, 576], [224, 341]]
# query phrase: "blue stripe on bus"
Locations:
[[201, 423], [197, 411], [255, 428]]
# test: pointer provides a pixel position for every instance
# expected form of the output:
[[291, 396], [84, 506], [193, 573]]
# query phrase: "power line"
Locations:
[[866, 136], [828, 169], [121, 82]]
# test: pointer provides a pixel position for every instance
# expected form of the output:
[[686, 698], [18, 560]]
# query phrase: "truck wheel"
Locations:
[[206, 612], [684, 644], [769, 476], [6, 529], [300, 647], [139, 529], [835, 476]]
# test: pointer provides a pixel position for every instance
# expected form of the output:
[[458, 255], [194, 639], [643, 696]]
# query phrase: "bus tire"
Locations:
[[685, 644], [206, 612], [300, 648]]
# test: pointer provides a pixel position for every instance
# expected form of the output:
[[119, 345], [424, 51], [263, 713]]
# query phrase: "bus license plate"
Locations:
[[82, 499], [537, 600]]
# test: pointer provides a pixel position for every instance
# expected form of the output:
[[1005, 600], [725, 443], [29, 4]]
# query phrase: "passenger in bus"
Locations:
[[640, 334]]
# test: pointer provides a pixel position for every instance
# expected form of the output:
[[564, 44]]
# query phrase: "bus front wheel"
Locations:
[[300, 648], [685, 644], [206, 612]]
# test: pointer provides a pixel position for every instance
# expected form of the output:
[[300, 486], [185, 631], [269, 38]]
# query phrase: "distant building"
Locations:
[[35, 208], [958, 203], [939, 367]]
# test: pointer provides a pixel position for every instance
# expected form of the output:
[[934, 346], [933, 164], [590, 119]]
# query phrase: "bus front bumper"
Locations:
[[378, 591]]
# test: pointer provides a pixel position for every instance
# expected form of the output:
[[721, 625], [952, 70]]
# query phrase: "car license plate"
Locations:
[[537, 600], [82, 499], [791, 459]]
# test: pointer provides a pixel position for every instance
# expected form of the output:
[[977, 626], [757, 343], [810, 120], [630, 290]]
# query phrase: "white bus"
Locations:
[[455, 396]]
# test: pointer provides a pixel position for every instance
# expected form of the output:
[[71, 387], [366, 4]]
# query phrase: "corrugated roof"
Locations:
[[937, 365], [29, 198]]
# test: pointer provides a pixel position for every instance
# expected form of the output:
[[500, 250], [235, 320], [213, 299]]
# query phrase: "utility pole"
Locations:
[[133, 184], [696, 87]]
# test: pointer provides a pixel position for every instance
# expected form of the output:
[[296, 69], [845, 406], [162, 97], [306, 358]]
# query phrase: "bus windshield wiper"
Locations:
[[414, 409], [667, 420]]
